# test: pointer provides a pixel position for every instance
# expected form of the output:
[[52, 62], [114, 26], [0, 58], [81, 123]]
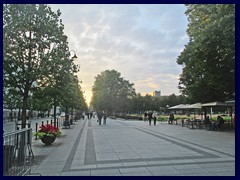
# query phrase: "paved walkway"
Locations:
[[132, 148]]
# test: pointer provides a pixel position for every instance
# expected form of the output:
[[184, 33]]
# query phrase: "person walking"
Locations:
[[94, 114], [150, 113], [104, 117], [88, 115], [91, 115], [154, 118], [99, 115], [207, 123], [171, 118]]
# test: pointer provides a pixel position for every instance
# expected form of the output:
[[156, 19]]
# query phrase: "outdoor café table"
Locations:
[[198, 123], [191, 122]]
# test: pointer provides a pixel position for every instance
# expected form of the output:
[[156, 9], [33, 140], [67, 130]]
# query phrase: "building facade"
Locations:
[[156, 93]]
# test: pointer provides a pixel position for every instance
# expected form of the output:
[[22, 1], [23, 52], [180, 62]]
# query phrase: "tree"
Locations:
[[73, 95], [172, 100], [208, 59], [35, 48], [111, 92], [138, 103], [11, 100], [40, 101], [66, 93]]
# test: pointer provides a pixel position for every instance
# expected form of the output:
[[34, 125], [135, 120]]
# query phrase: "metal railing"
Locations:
[[17, 152]]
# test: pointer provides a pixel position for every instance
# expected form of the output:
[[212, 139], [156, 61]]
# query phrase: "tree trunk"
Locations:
[[11, 110], [66, 113], [205, 112], [11, 115], [54, 110], [24, 110], [72, 114], [19, 114]]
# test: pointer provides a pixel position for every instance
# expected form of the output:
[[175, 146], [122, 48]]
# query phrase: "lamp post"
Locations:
[[76, 68], [74, 58]]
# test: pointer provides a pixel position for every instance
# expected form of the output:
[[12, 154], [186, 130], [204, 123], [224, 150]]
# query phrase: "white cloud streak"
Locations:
[[142, 42]]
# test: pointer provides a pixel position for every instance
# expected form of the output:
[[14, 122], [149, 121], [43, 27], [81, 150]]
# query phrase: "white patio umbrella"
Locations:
[[194, 106], [180, 106], [213, 104]]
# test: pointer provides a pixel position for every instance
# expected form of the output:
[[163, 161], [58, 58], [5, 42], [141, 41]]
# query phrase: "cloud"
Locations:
[[142, 42]]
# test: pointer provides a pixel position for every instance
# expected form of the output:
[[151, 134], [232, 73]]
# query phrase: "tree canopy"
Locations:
[[141, 103], [208, 60], [36, 53], [111, 92]]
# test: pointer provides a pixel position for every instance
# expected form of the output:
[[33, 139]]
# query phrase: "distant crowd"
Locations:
[[151, 116], [101, 115]]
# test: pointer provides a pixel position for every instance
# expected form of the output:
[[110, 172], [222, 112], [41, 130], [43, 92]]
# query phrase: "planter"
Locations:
[[48, 140]]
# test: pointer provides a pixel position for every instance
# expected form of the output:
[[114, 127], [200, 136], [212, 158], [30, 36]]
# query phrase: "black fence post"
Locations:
[[36, 130]]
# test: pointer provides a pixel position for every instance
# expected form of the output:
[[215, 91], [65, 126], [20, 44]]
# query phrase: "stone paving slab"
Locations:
[[133, 148]]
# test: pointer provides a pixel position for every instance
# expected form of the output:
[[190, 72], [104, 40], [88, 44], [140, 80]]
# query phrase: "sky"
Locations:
[[141, 41]]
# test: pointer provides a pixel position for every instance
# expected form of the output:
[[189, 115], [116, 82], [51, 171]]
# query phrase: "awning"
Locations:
[[194, 106], [230, 103], [180, 106], [213, 104]]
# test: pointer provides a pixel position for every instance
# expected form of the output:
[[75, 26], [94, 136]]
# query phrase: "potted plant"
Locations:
[[48, 133]]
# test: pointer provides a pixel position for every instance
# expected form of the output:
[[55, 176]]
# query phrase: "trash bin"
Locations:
[[66, 123], [8, 151]]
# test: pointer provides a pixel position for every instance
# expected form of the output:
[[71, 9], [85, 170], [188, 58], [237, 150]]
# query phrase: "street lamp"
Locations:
[[74, 58], [54, 46], [76, 67]]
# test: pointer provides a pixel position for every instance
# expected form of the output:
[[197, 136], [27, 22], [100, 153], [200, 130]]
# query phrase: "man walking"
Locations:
[[150, 113], [104, 117], [99, 115]]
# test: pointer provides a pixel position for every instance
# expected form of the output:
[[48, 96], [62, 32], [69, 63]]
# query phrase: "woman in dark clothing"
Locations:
[[99, 115], [171, 118], [150, 117]]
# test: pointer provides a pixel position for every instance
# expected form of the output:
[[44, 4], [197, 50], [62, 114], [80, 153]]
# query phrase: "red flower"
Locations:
[[49, 129]]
